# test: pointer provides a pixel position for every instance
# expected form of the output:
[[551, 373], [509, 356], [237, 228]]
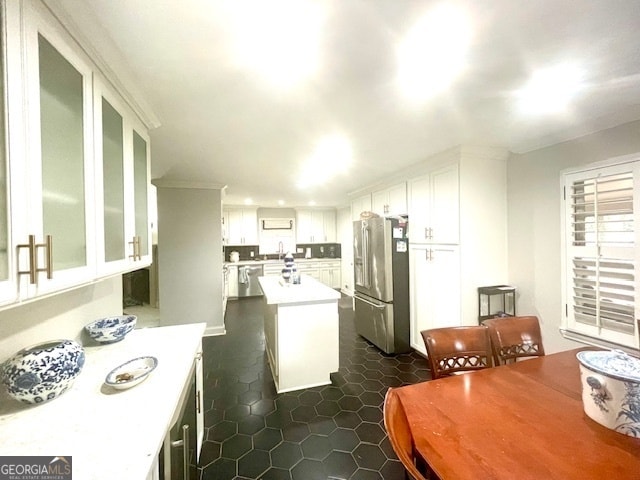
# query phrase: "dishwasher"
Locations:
[[248, 285]]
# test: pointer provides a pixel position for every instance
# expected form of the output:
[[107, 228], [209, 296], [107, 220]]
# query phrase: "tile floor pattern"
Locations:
[[330, 432]]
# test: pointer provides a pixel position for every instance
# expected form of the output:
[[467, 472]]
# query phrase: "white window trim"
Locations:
[[566, 328]]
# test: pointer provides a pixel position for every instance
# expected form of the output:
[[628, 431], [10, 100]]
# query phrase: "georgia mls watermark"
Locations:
[[35, 468]]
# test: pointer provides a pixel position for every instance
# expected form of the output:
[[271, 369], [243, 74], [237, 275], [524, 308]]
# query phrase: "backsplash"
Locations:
[[318, 250]]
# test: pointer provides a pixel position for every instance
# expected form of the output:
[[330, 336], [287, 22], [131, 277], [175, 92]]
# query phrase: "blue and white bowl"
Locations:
[[43, 372], [611, 389], [111, 329]]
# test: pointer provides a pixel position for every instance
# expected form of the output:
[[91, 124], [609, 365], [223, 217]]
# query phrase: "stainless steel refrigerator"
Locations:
[[381, 273]]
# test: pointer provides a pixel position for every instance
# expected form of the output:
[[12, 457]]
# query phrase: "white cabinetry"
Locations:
[[79, 192], [242, 226], [434, 289], [122, 177], [359, 205], [390, 201], [434, 206], [457, 217], [55, 206], [233, 281], [315, 226]]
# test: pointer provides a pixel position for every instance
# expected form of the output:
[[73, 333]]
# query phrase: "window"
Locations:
[[601, 268]]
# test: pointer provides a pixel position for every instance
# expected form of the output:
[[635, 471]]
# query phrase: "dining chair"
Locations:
[[399, 432], [453, 350], [513, 338]]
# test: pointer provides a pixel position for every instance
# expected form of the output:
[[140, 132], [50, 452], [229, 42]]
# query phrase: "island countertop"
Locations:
[[309, 290]]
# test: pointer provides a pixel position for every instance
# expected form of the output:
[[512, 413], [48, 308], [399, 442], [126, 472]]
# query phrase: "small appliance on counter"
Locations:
[[307, 253], [234, 257]]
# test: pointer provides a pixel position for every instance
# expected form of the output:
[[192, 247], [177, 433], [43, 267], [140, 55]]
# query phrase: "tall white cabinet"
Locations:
[[457, 234]]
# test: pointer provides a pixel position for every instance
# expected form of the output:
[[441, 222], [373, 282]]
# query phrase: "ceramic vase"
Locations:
[[43, 372]]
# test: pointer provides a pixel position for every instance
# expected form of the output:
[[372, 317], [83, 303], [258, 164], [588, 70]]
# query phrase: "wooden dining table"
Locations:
[[516, 422]]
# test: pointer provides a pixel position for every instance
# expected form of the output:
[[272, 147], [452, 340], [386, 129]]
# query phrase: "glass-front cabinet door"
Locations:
[[141, 182], [8, 291], [56, 238], [121, 186]]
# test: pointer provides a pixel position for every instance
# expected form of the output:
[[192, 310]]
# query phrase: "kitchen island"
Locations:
[[301, 332]]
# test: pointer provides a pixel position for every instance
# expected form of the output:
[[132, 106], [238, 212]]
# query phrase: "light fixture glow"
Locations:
[[280, 39], [280, 202], [248, 201], [433, 53], [332, 155], [550, 90]]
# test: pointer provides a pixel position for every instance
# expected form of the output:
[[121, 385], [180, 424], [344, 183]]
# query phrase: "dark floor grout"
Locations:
[[330, 432]]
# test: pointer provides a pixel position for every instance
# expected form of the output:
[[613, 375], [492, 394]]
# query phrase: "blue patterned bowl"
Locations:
[[43, 372], [611, 389], [111, 329]]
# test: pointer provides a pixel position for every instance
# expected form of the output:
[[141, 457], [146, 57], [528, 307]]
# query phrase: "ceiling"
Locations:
[[223, 123]]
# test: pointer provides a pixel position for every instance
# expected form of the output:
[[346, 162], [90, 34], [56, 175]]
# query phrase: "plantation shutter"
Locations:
[[600, 242]]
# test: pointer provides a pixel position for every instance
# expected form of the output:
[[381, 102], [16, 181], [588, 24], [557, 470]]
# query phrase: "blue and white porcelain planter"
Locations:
[[43, 372], [611, 389]]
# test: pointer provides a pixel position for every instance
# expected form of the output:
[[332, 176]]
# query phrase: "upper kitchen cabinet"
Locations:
[[74, 162], [315, 226], [434, 206], [8, 290], [122, 179], [390, 201], [359, 205], [242, 226], [54, 216]]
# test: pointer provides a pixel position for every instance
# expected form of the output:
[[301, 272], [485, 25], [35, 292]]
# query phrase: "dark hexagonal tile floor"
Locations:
[[330, 432]]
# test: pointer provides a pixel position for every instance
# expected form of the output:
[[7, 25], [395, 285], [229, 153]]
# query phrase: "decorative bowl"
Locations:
[[611, 389], [131, 373], [111, 329], [43, 372]]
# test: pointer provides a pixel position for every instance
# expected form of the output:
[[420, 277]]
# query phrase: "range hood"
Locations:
[[276, 224]]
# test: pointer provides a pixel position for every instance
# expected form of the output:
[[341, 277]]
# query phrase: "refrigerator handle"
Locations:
[[381, 307], [365, 256]]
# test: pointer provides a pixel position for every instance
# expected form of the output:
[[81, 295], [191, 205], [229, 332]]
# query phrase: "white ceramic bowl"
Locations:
[[111, 329], [131, 373], [611, 389]]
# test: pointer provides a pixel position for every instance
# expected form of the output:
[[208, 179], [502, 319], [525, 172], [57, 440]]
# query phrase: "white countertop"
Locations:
[[109, 433], [309, 290], [273, 262]]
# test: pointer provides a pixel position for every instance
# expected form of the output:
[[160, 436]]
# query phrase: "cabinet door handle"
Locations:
[[184, 443], [48, 256], [32, 247]]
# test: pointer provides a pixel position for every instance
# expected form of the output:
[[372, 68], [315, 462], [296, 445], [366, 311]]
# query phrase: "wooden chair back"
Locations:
[[453, 350], [515, 337], [397, 426]]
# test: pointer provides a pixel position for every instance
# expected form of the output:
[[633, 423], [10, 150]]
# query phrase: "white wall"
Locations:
[[533, 184], [190, 256], [61, 316]]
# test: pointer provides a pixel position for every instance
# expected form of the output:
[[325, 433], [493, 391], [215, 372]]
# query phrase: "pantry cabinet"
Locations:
[[76, 164], [242, 226], [315, 226], [458, 237], [434, 290], [390, 201]]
